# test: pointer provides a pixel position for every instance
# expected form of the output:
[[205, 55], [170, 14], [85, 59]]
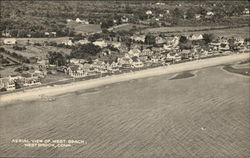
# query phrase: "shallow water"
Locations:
[[205, 115]]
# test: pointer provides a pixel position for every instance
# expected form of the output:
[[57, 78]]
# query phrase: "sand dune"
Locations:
[[36, 93]]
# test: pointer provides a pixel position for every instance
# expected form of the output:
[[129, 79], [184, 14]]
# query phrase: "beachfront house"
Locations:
[[136, 63], [6, 84], [76, 71]]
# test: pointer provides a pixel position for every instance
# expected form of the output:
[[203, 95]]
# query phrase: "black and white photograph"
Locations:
[[124, 79]]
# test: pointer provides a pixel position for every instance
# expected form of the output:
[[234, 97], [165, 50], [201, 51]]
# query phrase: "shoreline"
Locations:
[[36, 93]]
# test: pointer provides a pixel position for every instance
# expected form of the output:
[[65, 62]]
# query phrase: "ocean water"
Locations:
[[206, 115]]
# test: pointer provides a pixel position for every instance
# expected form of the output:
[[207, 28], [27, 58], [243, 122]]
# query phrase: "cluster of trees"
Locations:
[[85, 51], [57, 58]]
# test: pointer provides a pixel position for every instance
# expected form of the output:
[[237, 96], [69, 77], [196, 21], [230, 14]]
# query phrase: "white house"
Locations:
[[46, 33], [68, 20], [210, 13], [149, 12], [78, 20], [246, 11], [53, 34], [6, 34], [138, 38], [137, 64], [68, 43], [84, 41], [100, 43], [124, 19], [196, 37], [9, 41], [197, 16], [134, 52]]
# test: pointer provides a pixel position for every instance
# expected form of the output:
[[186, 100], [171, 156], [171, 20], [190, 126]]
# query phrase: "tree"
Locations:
[[208, 38], [191, 13], [177, 13], [183, 39], [150, 39], [57, 58], [85, 51]]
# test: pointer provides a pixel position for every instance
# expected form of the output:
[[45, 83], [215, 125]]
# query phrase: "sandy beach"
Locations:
[[36, 93]]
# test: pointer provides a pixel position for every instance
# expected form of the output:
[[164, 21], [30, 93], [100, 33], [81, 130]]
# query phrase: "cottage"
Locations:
[[210, 13], [197, 16], [138, 38], [196, 37], [124, 19], [78, 20], [6, 34], [100, 43], [147, 52], [134, 52], [68, 20], [47, 34], [53, 34], [84, 41], [68, 43], [149, 12], [77, 61], [9, 41], [246, 11], [159, 3], [159, 40], [76, 71]]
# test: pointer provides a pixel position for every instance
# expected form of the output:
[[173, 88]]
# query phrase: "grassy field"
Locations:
[[242, 32], [24, 41], [37, 51], [231, 32], [177, 28], [202, 116], [84, 28], [127, 27]]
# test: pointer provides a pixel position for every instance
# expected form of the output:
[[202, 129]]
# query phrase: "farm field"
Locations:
[[37, 51], [242, 32], [179, 28], [206, 115], [231, 32]]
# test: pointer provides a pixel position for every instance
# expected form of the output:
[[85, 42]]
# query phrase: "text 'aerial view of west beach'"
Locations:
[[124, 79]]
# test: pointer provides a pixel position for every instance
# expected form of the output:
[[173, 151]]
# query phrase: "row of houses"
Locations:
[[26, 79]]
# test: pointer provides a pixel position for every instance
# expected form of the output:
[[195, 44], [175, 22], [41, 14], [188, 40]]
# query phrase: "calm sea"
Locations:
[[206, 115]]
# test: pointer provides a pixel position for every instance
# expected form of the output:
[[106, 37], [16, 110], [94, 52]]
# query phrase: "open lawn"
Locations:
[[24, 41], [242, 32], [126, 27], [227, 32], [37, 51], [178, 28], [84, 28]]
